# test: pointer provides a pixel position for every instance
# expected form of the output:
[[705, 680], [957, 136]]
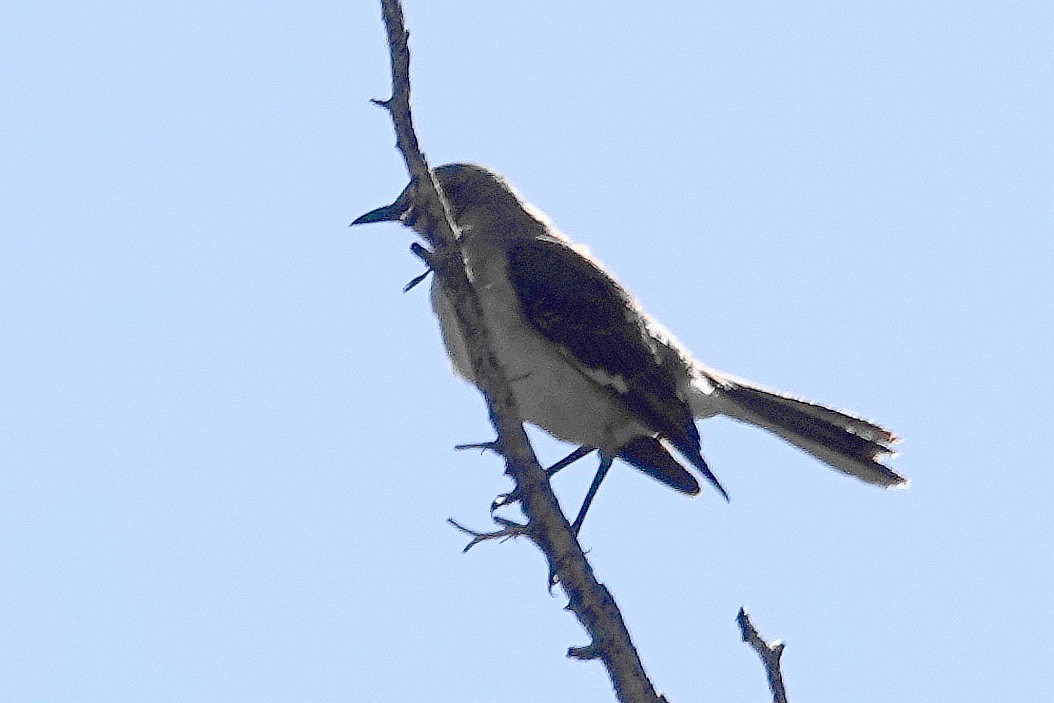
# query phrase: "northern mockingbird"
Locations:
[[589, 366]]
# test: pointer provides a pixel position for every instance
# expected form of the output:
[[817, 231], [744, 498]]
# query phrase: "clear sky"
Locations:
[[226, 436]]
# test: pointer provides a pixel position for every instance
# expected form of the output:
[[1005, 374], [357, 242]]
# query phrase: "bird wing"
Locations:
[[576, 305], [650, 456]]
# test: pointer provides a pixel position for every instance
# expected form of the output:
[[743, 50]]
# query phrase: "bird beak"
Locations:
[[389, 213]]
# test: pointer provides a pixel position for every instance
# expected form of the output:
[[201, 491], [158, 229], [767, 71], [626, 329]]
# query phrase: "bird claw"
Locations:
[[505, 499]]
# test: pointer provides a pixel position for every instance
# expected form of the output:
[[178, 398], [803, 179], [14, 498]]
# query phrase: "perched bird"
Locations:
[[589, 366]]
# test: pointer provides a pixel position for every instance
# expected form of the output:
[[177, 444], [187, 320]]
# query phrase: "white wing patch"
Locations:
[[602, 377]]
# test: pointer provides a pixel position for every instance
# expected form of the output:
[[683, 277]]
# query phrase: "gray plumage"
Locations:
[[588, 365]]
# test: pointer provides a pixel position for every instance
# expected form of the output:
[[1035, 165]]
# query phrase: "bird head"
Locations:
[[475, 194]]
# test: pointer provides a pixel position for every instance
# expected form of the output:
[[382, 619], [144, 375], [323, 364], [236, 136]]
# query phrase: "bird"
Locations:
[[591, 367]]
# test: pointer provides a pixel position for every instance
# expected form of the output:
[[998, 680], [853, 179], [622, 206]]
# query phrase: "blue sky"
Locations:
[[226, 435]]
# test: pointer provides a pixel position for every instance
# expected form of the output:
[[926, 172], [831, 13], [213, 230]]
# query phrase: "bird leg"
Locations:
[[605, 465], [569, 459], [513, 497]]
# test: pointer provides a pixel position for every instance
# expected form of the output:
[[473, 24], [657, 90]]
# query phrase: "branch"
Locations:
[[546, 525], [770, 653]]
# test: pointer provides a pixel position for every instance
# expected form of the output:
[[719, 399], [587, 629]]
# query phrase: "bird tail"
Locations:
[[849, 444]]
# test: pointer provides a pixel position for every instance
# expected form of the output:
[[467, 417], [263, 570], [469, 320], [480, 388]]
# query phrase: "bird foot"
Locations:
[[505, 499]]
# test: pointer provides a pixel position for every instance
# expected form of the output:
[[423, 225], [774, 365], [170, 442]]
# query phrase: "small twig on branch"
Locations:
[[547, 527], [583, 653], [509, 531], [770, 653]]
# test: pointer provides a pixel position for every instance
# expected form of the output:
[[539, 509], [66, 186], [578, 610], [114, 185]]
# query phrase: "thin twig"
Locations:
[[510, 530], [548, 528], [770, 653]]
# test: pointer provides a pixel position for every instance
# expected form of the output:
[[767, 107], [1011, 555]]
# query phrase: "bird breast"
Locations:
[[551, 391]]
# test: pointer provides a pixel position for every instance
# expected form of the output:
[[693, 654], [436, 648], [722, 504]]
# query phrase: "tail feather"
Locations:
[[850, 444]]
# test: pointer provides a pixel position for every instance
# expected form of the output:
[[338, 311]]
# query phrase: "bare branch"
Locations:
[[770, 653], [547, 527]]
